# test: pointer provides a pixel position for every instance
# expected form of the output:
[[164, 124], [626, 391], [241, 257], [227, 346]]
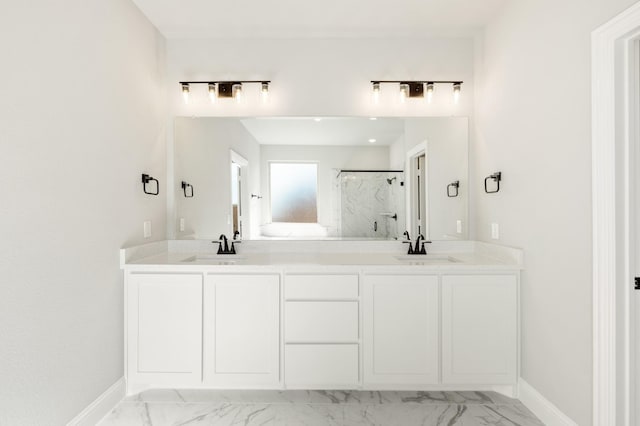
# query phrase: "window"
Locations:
[[294, 192]]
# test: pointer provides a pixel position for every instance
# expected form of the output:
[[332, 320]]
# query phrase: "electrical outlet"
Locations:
[[147, 229], [459, 226], [182, 224], [495, 231]]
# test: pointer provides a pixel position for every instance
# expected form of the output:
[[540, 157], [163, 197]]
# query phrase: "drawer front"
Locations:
[[321, 366], [321, 287], [321, 322]]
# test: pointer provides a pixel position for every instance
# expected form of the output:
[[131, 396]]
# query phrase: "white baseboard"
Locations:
[[102, 406], [548, 413]]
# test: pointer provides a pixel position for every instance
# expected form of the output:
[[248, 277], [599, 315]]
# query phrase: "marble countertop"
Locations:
[[183, 256]]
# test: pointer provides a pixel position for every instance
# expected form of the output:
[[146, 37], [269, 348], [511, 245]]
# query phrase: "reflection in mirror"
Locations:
[[293, 192], [333, 177]]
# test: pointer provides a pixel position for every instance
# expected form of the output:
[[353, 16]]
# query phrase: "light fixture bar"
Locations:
[[418, 81], [225, 81]]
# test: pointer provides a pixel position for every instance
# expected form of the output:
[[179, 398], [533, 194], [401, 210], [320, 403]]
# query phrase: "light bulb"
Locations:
[[212, 93], [429, 92], [404, 92], [185, 92], [376, 91], [372, 140], [265, 92], [456, 92], [237, 92]]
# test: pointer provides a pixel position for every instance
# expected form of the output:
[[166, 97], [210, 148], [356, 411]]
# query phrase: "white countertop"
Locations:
[[196, 255]]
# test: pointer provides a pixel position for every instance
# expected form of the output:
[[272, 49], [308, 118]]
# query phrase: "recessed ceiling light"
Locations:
[[373, 118], [372, 141], [317, 119]]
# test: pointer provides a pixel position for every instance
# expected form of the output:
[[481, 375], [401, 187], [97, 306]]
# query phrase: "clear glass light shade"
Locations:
[[404, 92], [237, 92], [185, 93], [456, 92], [212, 93], [429, 90]]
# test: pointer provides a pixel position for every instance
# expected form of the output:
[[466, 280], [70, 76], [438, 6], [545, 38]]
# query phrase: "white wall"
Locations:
[[321, 76], [202, 158], [329, 158], [534, 126], [447, 141], [82, 116]]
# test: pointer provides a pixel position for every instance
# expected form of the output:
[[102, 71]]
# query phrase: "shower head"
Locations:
[[390, 181]]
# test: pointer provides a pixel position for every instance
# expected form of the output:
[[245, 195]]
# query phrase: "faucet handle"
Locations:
[[410, 251]]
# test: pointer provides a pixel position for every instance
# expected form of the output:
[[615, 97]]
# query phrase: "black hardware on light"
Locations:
[[456, 186], [637, 282], [256, 196], [145, 180], [496, 177], [186, 185]]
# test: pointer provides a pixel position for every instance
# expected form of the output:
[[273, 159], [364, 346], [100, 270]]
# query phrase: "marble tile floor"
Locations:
[[311, 408]]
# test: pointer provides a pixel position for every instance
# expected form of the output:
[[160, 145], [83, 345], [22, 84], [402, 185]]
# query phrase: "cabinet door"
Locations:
[[400, 330], [242, 330], [479, 333], [164, 318]]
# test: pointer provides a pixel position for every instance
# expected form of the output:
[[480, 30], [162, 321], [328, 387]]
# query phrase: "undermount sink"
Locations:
[[425, 259], [216, 259]]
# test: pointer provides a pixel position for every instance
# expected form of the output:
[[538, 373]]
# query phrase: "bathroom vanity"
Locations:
[[322, 315]]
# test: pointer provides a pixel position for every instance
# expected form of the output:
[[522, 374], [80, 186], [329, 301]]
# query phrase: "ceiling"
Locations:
[[319, 18], [324, 130]]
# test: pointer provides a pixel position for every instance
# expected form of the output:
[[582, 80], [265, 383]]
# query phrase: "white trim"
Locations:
[[416, 151], [102, 406], [544, 410], [610, 134]]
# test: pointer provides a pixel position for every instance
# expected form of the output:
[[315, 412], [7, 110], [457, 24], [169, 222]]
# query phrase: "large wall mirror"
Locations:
[[321, 177]]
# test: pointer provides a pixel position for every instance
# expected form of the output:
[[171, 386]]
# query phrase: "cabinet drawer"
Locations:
[[321, 366], [321, 322], [321, 286]]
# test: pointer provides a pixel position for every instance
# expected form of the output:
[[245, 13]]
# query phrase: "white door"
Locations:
[[479, 329], [242, 330], [400, 330], [164, 339]]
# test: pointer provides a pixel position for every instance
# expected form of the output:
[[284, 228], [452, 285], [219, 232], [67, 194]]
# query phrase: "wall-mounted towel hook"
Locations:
[[186, 185], [256, 196], [496, 177], [455, 185], [145, 180]]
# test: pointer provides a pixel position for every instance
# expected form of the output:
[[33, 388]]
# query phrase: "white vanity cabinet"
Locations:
[[241, 330], [401, 331], [321, 331], [164, 329], [479, 329]]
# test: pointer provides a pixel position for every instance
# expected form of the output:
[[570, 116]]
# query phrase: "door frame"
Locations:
[[614, 77], [410, 192], [234, 157]]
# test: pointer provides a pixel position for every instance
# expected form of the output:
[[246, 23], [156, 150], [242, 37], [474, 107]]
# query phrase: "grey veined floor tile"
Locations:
[[319, 408]]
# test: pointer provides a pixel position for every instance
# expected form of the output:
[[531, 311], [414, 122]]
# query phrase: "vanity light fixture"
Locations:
[[225, 89], [417, 89]]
